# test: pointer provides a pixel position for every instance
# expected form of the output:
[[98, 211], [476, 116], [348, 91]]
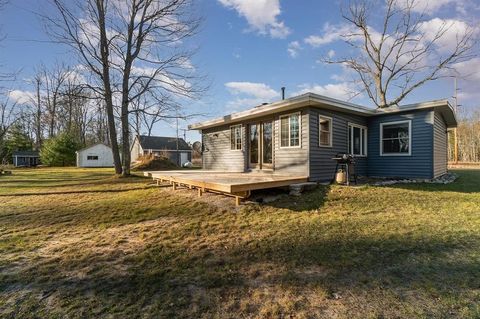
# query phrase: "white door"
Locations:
[[183, 158]]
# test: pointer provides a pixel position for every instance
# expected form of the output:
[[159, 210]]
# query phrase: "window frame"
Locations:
[[241, 138], [330, 126], [289, 135], [92, 159], [350, 126], [409, 138]]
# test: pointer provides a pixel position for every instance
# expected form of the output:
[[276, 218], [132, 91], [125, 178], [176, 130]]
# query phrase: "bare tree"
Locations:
[[401, 56], [132, 48]]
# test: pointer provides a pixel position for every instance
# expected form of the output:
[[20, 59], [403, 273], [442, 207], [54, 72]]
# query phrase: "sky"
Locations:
[[249, 49]]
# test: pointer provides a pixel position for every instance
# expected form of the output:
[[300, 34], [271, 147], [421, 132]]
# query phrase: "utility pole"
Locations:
[[455, 137], [178, 155]]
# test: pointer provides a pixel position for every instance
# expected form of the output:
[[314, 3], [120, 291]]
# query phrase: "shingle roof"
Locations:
[[163, 143], [25, 153]]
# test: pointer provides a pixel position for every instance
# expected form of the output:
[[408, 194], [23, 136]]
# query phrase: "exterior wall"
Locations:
[[104, 153], [217, 154], [292, 160], [25, 161], [440, 146], [322, 167], [419, 164], [136, 151]]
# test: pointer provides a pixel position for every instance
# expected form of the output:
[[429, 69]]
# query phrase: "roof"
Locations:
[[25, 153], [88, 147], [316, 100], [163, 143]]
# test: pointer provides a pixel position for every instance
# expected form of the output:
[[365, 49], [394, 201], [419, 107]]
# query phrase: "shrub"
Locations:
[[59, 151]]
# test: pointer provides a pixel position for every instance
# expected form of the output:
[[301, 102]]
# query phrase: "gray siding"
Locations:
[[322, 166], [292, 160], [440, 143], [419, 164], [217, 154]]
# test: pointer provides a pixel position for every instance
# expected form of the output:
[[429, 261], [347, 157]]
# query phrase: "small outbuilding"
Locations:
[[98, 155], [26, 158], [175, 149]]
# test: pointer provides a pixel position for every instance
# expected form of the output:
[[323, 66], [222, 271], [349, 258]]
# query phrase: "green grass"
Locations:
[[78, 243]]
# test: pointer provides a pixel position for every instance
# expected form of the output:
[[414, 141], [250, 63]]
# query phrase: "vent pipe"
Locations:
[[283, 93]]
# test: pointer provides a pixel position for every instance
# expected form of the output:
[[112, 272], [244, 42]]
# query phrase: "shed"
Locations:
[[98, 155], [176, 149], [25, 158]]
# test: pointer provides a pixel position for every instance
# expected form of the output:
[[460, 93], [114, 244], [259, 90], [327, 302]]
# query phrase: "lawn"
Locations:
[[78, 243]]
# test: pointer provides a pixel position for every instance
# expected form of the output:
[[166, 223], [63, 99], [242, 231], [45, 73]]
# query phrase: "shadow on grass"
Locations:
[[76, 192], [169, 272]]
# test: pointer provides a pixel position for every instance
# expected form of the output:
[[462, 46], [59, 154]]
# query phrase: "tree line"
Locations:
[[132, 68]]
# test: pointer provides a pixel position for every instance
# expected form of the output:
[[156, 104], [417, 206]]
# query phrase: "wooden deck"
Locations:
[[238, 185]]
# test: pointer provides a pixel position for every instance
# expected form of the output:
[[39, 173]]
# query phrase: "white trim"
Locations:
[[330, 125], [241, 138], [289, 137], [351, 125], [409, 138]]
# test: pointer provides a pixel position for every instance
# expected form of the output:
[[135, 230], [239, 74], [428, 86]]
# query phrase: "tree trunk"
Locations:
[[108, 89]]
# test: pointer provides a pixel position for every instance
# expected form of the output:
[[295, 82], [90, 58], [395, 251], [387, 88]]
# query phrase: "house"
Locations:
[[98, 155], [176, 149], [26, 158], [301, 135]]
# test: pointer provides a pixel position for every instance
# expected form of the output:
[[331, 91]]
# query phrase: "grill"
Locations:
[[346, 162]]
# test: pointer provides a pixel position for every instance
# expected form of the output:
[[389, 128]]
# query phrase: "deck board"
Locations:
[[226, 182]]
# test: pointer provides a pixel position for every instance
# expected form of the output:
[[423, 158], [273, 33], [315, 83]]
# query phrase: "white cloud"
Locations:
[[21, 97], [453, 30], [293, 48], [261, 15], [249, 94], [426, 6], [342, 91], [330, 33], [331, 53]]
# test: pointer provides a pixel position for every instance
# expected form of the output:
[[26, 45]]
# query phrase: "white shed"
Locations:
[[98, 155]]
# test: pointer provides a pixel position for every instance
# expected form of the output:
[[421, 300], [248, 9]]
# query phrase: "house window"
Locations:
[[236, 137], [290, 130], [92, 158], [357, 140], [325, 130], [396, 138]]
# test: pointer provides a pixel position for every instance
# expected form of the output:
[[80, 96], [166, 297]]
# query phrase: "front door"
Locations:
[[261, 145]]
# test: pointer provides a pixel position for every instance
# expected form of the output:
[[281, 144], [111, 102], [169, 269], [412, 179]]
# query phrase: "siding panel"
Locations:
[[322, 166], [419, 164], [217, 154], [440, 146]]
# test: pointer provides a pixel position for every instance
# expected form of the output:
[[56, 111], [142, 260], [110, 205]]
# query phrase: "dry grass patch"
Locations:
[[100, 247]]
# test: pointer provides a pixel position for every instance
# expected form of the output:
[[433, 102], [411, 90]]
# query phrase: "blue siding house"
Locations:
[[301, 135]]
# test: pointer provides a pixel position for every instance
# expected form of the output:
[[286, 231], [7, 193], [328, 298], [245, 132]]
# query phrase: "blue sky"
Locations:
[[249, 49]]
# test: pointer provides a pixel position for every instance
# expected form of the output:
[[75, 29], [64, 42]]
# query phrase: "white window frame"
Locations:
[[289, 136], [330, 127], [409, 138], [241, 138], [362, 127]]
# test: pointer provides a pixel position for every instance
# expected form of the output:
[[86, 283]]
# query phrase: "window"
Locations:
[[92, 158], [396, 138], [325, 130], [236, 137], [357, 140], [290, 130]]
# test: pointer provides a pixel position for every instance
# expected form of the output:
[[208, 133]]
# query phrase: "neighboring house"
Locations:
[[26, 158], [98, 155], [302, 134], [178, 153]]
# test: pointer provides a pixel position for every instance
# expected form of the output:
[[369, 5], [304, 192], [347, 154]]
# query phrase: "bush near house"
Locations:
[[59, 151]]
